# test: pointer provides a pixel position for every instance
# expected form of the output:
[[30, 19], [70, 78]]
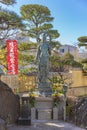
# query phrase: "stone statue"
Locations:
[[42, 58]]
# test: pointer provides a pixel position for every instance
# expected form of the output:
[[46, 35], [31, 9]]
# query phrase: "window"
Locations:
[[62, 50]]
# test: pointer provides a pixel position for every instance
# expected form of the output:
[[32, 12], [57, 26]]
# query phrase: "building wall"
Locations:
[[79, 86], [71, 49], [83, 55], [77, 91], [78, 78], [74, 51]]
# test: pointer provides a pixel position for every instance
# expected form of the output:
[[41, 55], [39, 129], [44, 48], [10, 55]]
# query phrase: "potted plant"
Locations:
[[56, 98], [32, 99]]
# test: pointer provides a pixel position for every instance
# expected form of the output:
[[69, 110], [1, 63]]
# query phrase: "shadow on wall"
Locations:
[[9, 104]]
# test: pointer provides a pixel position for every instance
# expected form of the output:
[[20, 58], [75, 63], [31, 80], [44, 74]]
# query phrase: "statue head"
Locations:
[[45, 36]]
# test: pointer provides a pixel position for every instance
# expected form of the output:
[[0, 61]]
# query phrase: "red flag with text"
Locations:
[[12, 56]]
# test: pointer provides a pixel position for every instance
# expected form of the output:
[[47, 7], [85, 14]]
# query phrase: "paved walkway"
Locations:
[[45, 125]]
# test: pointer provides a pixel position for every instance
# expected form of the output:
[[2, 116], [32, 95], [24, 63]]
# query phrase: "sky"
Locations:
[[70, 17]]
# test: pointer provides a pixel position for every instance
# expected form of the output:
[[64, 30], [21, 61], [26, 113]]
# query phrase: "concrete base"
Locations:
[[33, 113], [44, 114], [44, 102], [55, 113], [43, 108]]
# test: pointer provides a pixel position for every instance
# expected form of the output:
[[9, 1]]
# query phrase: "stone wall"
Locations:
[[9, 104], [78, 113], [10, 80], [77, 88], [78, 78], [77, 91], [79, 85]]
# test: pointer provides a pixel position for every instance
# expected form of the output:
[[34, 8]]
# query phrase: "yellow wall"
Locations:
[[78, 78]]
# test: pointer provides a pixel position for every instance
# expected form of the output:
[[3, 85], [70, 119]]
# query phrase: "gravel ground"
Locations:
[[38, 125]]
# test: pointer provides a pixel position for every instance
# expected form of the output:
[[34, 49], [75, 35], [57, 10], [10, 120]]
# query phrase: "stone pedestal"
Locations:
[[55, 113], [44, 114], [44, 103], [33, 113], [45, 88], [43, 108]]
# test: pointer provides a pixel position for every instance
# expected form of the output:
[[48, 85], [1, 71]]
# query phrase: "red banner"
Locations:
[[12, 56]]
